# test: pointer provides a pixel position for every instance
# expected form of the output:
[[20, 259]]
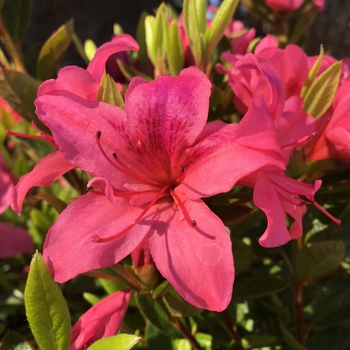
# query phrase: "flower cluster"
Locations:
[[150, 153]]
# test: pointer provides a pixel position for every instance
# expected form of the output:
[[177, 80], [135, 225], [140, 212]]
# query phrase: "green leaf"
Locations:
[[321, 93], [192, 30], [179, 307], [53, 51], [312, 74], [201, 14], [150, 38], [175, 50], [109, 92], [220, 22], [260, 340], [290, 339], [92, 299], [46, 308], [14, 341], [19, 90], [243, 256], [318, 259], [257, 287], [333, 310], [16, 14], [117, 342], [154, 313], [55, 202], [89, 49]]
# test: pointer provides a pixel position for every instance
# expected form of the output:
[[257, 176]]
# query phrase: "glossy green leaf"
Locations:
[[92, 299], [321, 93], [117, 342], [175, 50], [220, 22], [192, 30], [201, 13], [16, 14], [312, 74], [53, 51], [179, 307], [14, 341], [109, 92], [19, 90], [154, 313], [150, 38], [318, 259], [46, 308], [257, 287]]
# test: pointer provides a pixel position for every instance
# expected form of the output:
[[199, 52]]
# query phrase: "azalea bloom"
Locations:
[[81, 82], [100, 321]]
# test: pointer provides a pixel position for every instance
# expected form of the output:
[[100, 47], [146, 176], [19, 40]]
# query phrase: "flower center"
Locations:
[[163, 189]]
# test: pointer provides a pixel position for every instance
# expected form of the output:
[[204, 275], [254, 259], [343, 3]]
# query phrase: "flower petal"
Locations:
[[101, 320], [197, 261], [119, 43], [6, 185], [46, 171], [73, 79], [14, 240], [70, 238]]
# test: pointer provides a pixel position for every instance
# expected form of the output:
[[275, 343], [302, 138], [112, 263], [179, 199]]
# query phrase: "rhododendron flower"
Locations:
[[152, 164], [14, 240], [100, 321], [81, 82], [6, 185]]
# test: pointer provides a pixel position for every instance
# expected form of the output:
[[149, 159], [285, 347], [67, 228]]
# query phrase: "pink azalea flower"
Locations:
[[100, 321], [83, 83], [284, 5], [168, 158], [14, 240], [8, 108]]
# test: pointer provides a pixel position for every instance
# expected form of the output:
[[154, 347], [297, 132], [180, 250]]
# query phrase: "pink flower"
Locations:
[[100, 321], [14, 240], [167, 159], [284, 5], [83, 83]]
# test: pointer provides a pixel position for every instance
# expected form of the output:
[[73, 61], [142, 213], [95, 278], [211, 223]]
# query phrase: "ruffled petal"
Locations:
[[73, 79], [70, 238], [119, 43], [197, 261], [45, 172]]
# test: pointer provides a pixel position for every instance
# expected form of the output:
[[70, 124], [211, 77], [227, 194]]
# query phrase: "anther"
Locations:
[[98, 134], [182, 169], [194, 224]]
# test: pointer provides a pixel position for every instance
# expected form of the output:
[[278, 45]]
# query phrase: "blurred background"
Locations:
[[94, 20]]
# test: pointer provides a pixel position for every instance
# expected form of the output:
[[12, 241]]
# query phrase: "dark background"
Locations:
[[94, 19]]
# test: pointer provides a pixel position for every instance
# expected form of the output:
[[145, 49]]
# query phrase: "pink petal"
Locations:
[[6, 185], [266, 198], [14, 240], [73, 79], [166, 116], [47, 170], [101, 320], [284, 5], [267, 42], [197, 261], [231, 153], [69, 249], [119, 43]]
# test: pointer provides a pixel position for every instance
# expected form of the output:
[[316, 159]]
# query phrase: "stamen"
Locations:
[[98, 239], [178, 201], [300, 141], [125, 170], [42, 137], [324, 211]]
